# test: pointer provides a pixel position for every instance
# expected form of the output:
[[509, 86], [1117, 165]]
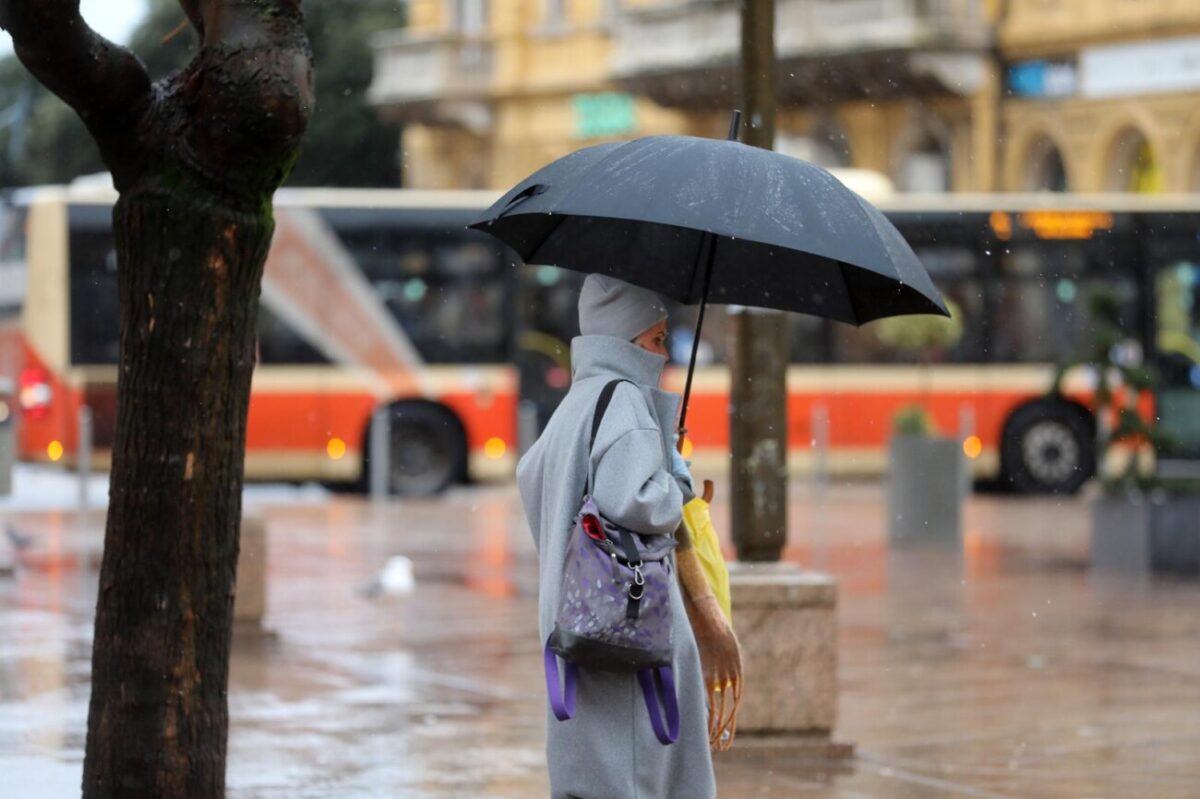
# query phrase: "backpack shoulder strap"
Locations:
[[606, 395]]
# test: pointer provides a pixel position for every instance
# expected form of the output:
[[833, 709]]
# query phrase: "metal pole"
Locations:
[[820, 428], [966, 429], [759, 355], [84, 452], [381, 452], [820, 442], [966, 421]]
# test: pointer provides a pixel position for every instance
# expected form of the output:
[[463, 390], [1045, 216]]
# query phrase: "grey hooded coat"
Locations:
[[608, 750]]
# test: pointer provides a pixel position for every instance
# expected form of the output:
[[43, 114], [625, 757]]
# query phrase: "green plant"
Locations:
[[924, 335], [913, 420], [1122, 380]]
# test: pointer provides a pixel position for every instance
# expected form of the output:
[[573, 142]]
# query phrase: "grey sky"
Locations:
[[115, 19]]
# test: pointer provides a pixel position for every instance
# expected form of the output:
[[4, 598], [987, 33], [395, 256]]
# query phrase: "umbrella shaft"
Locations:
[[711, 242], [735, 123]]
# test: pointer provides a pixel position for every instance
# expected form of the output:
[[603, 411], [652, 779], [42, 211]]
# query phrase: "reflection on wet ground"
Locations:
[[999, 670]]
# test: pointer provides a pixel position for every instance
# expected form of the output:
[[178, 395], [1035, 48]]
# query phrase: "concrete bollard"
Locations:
[[381, 452], [250, 592], [786, 622], [7, 435], [84, 449]]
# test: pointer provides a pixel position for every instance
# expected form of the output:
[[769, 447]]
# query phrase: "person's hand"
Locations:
[[721, 662], [679, 470]]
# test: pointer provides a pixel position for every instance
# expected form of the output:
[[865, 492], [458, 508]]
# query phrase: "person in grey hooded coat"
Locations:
[[608, 750]]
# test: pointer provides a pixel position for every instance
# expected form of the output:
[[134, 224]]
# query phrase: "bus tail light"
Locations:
[[36, 394]]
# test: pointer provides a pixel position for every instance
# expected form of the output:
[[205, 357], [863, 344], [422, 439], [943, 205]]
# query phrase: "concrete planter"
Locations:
[[926, 476], [786, 622], [250, 591], [1139, 536]]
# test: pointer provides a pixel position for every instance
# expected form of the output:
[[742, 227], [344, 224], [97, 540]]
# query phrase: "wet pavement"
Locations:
[[1001, 670]]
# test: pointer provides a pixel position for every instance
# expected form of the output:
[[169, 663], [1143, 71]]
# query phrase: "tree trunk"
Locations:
[[759, 341], [189, 281], [196, 159]]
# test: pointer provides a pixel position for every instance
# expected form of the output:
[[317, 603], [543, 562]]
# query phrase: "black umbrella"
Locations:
[[705, 220]]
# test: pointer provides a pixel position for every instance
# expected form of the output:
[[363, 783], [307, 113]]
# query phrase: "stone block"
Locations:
[[250, 592], [925, 488], [1141, 536], [786, 622]]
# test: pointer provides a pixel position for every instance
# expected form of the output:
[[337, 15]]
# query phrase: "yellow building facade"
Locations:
[[939, 95], [1103, 95], [490, 91]]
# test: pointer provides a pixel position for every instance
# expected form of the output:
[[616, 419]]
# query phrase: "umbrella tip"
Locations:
[[735, 122]]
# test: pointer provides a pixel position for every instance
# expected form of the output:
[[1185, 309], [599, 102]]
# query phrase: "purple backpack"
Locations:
[[614, 608]]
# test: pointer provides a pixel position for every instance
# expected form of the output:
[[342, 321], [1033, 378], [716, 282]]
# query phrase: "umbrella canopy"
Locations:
[[698, 219]]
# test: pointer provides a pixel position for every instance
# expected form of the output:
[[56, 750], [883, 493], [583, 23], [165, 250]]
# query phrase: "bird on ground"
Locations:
[[18, 543], [395, 578]]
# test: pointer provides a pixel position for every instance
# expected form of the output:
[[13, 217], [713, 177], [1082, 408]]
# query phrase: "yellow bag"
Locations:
[[708, 550]]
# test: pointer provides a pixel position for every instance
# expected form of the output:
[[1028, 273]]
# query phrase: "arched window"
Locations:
[[825, 144], [1133, 165], [1044, 169], [926, 166], [831, 146]]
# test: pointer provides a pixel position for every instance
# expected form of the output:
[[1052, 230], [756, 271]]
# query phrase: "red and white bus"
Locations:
[[1021, 270], [370, 299], [382, 299]]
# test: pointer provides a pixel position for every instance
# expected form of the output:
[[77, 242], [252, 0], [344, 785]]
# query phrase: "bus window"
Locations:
[[279, 344], [95, 327], [1179, 311], [810, 338], [957, 271], [1041, 310], [1178, 322], [12, 260], [12, 233], [434, 279]]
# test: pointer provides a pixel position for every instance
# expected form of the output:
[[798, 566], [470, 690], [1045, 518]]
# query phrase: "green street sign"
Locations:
[[605, 114]]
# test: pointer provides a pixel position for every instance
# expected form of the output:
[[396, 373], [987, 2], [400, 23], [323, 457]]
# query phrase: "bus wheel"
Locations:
[[427, 450], [1048, 447]]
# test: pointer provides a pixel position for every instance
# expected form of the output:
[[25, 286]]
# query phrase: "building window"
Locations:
[[826, 144], [926, 166], [1133, 165], [1044, 170], [555, 14], [469, 17]]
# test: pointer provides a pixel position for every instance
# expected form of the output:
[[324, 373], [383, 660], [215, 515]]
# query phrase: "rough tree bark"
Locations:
[[760, 341], [196, 158]]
